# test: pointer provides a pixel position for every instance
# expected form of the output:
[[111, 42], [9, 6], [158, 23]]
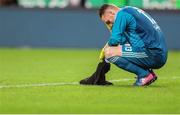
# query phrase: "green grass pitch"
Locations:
[[35, 66]]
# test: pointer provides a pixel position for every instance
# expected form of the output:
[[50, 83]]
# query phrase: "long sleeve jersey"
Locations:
[[136, 27]]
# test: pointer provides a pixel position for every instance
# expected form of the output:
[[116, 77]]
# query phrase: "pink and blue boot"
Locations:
[[149, 79]]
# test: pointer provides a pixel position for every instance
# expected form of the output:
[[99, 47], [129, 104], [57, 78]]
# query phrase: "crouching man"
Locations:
[[136, 44]]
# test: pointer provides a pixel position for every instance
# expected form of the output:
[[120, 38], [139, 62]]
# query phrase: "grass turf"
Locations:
[[33, 66]]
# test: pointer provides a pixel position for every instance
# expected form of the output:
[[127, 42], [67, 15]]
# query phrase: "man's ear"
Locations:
[[112, 12]]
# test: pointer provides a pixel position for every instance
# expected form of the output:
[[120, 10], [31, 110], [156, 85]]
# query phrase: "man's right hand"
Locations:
[[111, 51]]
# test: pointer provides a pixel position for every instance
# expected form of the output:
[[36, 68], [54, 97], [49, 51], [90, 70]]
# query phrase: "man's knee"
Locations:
[[120, 62], [112, 59], [113, 52]]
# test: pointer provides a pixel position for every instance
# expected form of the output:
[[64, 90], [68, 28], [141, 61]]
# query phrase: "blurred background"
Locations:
[[75, 23], [148, 4]]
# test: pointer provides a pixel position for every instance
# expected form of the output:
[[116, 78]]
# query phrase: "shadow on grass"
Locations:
[[131, 86], [127, 86]]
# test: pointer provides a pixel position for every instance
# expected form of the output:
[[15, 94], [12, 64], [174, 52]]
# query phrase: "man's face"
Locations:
[[108, 17]]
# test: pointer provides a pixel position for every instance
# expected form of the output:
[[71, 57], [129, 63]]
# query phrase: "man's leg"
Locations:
[[127, 65], [132, 60]]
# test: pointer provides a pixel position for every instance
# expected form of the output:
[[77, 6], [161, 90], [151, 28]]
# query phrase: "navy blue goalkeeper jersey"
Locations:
[[136, 27]]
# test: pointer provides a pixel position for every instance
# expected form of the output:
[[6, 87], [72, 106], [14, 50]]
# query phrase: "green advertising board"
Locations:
[[148, 4], [94, 3], [155, 4], [137, 3], [178, 4], [43, 3], [119, 3], [98, 3]]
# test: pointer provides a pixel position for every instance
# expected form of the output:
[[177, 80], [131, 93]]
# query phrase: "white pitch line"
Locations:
[[52, 84], [38, 85], [66, 83], [121, 80]]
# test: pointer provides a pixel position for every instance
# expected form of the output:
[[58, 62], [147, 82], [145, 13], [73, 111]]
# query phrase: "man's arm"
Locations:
[[123, 19]]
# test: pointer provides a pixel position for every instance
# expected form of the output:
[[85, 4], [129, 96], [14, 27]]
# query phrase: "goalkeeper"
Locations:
[[136, 44]]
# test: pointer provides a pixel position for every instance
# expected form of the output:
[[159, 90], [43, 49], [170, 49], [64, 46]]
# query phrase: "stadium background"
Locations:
[[74, 23], [48, 46]]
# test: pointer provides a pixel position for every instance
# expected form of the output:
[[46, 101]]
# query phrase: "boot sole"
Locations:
[[151, 81]]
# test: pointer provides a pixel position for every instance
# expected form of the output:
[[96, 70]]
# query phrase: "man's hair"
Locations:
[[103, 8]]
